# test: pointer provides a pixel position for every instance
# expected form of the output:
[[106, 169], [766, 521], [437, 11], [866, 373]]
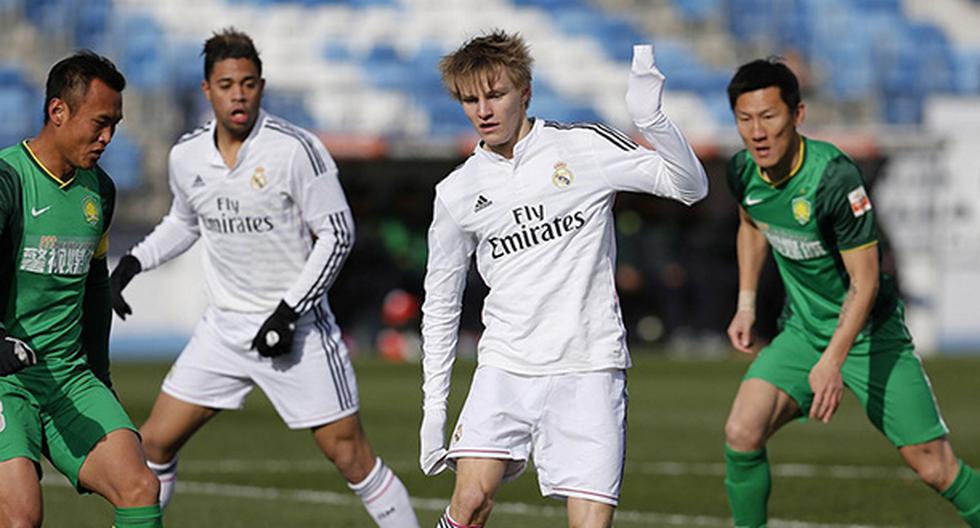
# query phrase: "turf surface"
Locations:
[[246, 469]]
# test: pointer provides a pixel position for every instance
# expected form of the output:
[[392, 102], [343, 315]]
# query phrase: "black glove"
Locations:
[[127, 268], [15, 355], [275, 338]]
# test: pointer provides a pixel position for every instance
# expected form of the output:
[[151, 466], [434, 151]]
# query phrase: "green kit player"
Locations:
[[843, 324], [55, 397]]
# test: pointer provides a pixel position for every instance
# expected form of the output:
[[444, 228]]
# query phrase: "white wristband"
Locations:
[[746, 301]]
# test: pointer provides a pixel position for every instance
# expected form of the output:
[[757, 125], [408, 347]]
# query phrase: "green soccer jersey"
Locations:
[[809, 218], [53, 240]]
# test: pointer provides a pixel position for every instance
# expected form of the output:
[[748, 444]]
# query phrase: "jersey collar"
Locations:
[[796, 168], [519, 148], [216, 158], [61, 183]]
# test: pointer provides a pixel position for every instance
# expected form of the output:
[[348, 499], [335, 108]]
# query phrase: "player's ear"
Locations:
[[58, 111], [206, 89], [800, 114], [526, 96]]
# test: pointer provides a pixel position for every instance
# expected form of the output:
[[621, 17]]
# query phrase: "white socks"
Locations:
[[385, 498], [167, 474]]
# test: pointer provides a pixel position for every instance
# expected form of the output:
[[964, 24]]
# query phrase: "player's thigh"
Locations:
[[171, 423], [83, 413], [21, 433], [210, 372], [20, 491], [477, 481], [313, 385], [786, 363], [116, 469], [497, 419], [892, 386], [580, 443]]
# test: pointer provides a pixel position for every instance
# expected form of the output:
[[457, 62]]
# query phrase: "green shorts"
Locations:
[[62, 421], [885, 375]]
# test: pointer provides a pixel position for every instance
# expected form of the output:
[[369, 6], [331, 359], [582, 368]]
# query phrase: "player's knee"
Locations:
[[154, 448], [471, 503], [741, 437], [142, 488], [933, 472]]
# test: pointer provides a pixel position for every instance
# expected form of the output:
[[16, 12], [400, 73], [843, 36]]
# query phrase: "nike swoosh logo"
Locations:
[[38, 212], [752, 201]]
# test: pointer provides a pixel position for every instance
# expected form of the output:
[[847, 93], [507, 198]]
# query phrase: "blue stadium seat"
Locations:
[[123, 161], [289, 105]]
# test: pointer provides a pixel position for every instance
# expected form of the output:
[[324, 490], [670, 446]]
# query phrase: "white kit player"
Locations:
[[534, 204], [265, 197]]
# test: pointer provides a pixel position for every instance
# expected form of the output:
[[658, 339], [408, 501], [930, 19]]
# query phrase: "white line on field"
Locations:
[[318, 465], [216, 489]]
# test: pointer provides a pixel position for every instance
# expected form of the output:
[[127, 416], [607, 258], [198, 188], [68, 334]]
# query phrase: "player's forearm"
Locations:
[[332, 247], [97, 319], [853, 316], [751, 248], [684, 172], [167, 241]]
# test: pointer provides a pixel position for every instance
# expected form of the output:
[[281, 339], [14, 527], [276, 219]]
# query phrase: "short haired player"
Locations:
[[843, 323], [265, 198], [534, 204]]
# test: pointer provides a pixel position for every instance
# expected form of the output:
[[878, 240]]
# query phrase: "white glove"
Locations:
[[432, 458], [644, 97]]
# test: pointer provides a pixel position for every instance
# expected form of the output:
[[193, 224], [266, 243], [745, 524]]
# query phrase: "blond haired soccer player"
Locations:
[[265, 198], [56, 401], [843, 321], [534, 204]]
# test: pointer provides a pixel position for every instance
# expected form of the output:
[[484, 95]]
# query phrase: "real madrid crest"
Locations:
[[90, 209], [259, 181], [802, 209], [562, 177]]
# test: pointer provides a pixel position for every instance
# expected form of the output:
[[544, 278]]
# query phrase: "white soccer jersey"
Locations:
[[541, 226], [276, 226]]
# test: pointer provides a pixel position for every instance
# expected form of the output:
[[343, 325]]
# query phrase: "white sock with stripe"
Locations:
[[385, 498], [448, 522], [167, 475]]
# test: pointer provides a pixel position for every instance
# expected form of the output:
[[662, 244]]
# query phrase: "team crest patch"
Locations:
[[802, 210], [259, 181], [91, 210], [562, 177], [458, 433], [860, 203]]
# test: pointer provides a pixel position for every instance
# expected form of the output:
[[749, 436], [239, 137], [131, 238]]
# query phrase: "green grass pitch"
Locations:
[[245, 469]]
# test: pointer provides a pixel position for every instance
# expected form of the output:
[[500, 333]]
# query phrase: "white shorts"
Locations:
[[312, 386], [573, 425]]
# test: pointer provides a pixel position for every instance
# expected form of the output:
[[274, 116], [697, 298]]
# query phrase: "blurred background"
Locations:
[[895, 83]]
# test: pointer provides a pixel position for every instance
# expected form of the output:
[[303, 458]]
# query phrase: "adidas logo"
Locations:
[[482, 202], [198, 182]]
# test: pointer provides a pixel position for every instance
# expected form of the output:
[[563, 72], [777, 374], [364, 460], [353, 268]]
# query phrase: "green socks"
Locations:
[[964, 493], [139, 517], [748, 482]]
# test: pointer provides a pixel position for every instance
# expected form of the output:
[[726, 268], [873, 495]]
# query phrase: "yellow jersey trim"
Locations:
[[796, 168], [862, 246], [61, 184]]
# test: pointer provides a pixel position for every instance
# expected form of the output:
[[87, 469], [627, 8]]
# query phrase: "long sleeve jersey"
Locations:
[[276, 226], [541, 227]]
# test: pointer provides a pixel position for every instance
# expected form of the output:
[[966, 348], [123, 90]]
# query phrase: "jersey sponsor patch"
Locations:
[[860, 203]]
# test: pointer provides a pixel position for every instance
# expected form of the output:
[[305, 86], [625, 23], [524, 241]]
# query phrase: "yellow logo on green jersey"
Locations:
[[91, 210], [802, 210]]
